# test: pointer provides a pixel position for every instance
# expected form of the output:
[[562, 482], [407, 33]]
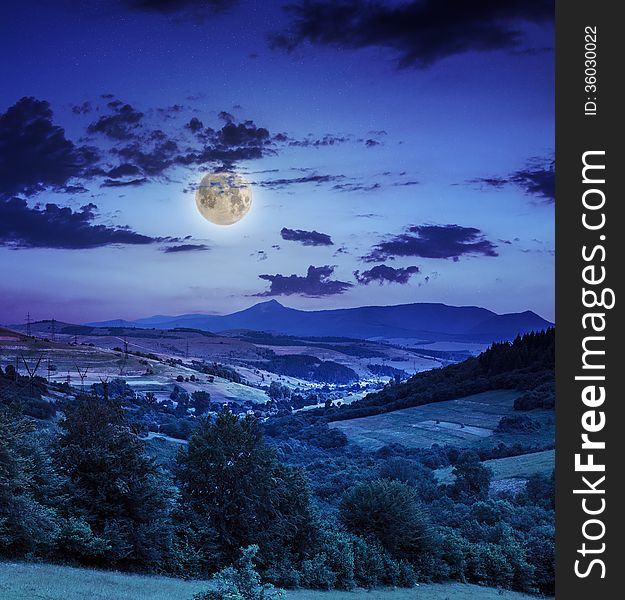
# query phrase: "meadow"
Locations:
[[522, 467], [460, 422], [24, 581]]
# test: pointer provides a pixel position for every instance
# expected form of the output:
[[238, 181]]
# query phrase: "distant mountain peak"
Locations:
[[272, 302], [425, 322]]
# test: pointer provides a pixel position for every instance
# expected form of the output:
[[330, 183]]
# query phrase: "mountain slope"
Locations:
[[425, 321]]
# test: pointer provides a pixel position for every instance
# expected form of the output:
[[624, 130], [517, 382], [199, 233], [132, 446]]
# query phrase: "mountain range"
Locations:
[[423, 321]]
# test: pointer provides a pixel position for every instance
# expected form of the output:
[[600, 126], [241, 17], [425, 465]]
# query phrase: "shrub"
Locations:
[[389, 512], [240, 582]]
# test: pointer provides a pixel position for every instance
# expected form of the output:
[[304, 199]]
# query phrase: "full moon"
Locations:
[[223, 198]]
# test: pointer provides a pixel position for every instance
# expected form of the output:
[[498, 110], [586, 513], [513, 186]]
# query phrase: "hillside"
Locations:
[[526, 364], [422, 321]]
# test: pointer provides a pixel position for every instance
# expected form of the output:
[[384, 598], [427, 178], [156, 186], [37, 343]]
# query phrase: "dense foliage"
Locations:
[[289, 502], [309, 367]]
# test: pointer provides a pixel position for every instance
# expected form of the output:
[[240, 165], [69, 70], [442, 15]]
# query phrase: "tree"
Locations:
[[200, 401], [277, 391], [27, 520], [119, 492], [388, 511], [230, 479], [472, 478]]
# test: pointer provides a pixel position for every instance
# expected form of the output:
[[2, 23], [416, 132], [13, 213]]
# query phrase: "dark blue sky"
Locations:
[[397, 151]]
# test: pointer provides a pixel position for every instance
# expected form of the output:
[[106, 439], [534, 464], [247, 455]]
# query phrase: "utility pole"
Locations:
[[53, 330], [28, 328]]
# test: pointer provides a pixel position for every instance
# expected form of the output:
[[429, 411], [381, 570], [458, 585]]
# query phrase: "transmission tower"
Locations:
[[32, 372], [53, 330], [82, 373], [28, 329]]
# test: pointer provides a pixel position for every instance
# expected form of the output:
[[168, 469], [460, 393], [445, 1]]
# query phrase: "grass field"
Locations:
[[461, 422], [513, 467], [22, 581]]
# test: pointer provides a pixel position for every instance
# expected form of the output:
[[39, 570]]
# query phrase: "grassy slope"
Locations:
[[22, 581], [514, 466], [416, 427]]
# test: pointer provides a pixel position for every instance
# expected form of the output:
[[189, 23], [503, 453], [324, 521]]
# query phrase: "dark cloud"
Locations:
[[307, 238], [284, 182], [111, 183], [180, 6], [315, 283], [356, 187], [434, 241], [82, 109], [186, 248], [121, 124], [537, 178], [385, 274], [314, 142], [241, 134], [34, 152], [226, 116], [420, 32], [152, 159], [195, 125], [59, 227], [123, 170]]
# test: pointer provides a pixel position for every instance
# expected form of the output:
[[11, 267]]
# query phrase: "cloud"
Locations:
[[307, 238], [126, 183], [434, 241], [313, 142], [195, 125], [34, 152], [241, 134], [121, 124], [385, 274], [420, 32], [123, 170], [284, 182], [178, 6], [259, 255], [315, 283], [59, 227], [152, 160], [356, 187], [186, 248], [36, 155], [537, 178]]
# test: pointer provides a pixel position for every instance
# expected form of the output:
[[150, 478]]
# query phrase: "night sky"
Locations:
[[398, 151]]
